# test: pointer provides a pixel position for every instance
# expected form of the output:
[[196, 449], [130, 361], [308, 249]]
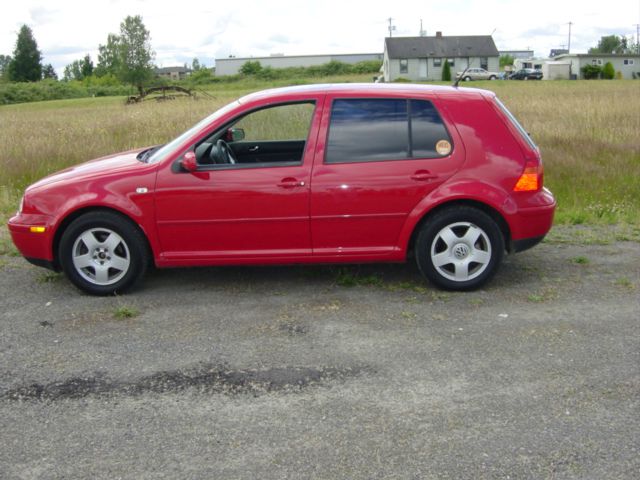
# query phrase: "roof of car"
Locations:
[[360, 89]]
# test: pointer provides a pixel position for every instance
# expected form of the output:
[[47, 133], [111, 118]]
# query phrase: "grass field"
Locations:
[[587, 132]]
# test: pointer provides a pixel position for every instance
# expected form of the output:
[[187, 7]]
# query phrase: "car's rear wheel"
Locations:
[[467, 79], [103, 253], [459, 248], [492, 77]]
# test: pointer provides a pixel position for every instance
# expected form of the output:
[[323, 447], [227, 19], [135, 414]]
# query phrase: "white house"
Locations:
[[422, 58], [627, 65]]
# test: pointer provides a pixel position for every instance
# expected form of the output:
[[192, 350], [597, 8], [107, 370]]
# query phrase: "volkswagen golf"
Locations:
[[443, 176]]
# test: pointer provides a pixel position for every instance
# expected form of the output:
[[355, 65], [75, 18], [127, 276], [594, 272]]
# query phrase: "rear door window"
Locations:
[[378, 129]]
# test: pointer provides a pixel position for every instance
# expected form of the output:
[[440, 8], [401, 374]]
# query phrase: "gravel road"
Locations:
[[328, 372]]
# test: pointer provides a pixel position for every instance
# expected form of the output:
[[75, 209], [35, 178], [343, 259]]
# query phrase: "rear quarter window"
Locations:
[[377, 129]]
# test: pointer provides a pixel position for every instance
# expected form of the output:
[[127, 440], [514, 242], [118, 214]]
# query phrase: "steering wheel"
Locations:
[[224, 153]]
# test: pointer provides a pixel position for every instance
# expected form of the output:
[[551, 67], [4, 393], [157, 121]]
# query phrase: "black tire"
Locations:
[[103, 253], [459, 248], [492, 77], [467, 79]]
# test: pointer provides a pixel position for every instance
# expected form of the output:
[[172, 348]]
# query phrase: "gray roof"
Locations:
[[446, 47]]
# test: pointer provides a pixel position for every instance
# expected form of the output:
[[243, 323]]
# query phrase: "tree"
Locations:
[[5, 60], [195, 65], [136, 56], [446, 71], [25, 65], [611, 44], [87, 66], [73, 71], [506, 60], [49, 72], [109, 56]]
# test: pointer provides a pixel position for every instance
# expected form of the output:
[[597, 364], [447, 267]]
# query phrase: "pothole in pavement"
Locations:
[[207, 379]]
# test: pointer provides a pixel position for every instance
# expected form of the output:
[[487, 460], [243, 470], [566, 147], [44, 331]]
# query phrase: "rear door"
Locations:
[[381, 157]]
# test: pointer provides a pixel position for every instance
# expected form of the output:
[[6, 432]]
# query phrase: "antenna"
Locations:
[[391, 27], [423, 33]]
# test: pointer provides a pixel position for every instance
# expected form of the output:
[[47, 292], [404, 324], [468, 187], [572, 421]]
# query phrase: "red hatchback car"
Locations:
[[311, 174]]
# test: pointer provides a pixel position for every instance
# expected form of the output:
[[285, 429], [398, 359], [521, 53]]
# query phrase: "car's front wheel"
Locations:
[[459, 248], [103, 253]]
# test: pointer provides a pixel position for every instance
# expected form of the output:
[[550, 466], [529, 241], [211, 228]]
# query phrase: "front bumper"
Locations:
[[35, 246]]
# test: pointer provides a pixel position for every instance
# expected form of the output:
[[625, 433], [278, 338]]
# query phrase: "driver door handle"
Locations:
[[254, 149], [290, 182]]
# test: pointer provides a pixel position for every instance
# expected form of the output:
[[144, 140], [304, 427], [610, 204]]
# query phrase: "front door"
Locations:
[[248, 199], [422, 68]]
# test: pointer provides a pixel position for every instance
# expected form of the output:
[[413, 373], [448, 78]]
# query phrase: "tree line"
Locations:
[[127, 57]]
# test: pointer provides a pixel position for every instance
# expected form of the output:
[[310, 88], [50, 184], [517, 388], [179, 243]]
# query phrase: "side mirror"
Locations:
[[235, 135], [188, 162]]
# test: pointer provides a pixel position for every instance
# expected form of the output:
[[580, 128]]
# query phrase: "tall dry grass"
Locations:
[[589, 136], [588, 132]]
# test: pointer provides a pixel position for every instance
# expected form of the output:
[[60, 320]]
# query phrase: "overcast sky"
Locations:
[[183, 29]]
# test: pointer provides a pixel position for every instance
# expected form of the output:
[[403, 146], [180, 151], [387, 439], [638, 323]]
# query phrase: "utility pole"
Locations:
[[637, 25], [391, 27], [569, 45]]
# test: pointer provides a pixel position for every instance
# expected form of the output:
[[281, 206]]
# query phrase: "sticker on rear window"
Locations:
[[443, 147]]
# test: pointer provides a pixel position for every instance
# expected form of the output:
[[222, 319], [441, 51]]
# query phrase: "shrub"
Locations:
[[590, 72], [446, 71], [250, 68], [608, 72]]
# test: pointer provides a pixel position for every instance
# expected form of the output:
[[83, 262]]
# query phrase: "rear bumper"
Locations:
[[525, 244], [531, 223]]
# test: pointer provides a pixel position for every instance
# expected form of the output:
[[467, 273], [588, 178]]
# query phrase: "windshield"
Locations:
[[166, 150]]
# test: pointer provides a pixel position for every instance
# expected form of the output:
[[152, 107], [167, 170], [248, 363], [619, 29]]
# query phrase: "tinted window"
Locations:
[[369, 130], [427, 129]]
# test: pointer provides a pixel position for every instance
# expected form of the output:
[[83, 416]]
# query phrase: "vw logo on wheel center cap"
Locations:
[[461, 251]]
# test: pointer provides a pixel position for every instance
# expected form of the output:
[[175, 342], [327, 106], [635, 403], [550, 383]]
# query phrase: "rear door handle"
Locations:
[[290, 182], [254, 149], [423, 176]]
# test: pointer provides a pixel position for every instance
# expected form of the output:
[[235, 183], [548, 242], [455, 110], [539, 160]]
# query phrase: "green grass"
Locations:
[[587, 132], [580, 260], [124, 311]]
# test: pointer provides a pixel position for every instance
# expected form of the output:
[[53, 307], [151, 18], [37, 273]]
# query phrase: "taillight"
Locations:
[[531, 178]]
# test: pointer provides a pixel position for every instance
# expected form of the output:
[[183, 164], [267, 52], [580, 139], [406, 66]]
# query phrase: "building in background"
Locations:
[[422, 58], [173, 73], [517, 53], [232, 66], [628, 66]]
